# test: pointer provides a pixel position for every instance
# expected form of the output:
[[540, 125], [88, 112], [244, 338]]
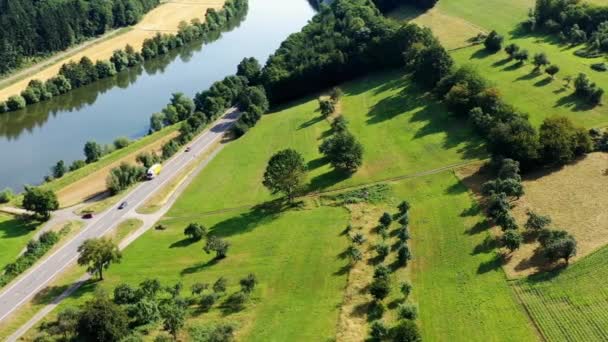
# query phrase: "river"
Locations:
[[34, 139]]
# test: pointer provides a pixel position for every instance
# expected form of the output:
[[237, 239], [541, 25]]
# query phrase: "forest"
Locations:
[[32, 28]]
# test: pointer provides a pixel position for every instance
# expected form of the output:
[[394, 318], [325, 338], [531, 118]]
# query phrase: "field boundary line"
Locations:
[[337, 190]]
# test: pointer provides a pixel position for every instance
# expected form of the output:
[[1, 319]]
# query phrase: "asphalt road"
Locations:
[[39, 276]]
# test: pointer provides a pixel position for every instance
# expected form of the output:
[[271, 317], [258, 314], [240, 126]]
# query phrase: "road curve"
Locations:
[[39, 276]]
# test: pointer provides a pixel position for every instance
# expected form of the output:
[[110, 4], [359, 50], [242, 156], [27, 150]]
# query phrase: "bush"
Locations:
[[121, 142], [378, 331], [15, 102], [407, 311], [380, 288], [6, 195], [375, 310], [406, 331]]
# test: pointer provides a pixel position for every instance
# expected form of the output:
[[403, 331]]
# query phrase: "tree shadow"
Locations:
[[473, 210], [573, 102], [487, 245], [543, 82], [479, 227], [502, 62], [17, 227], [490, 265], [513, 66], [395, 303], [182, 243], [196, 268], [246, 222], [342, 271], [327, 180], [529, 76], [408, 99], [316, 163], [311, 122], [481, 54]]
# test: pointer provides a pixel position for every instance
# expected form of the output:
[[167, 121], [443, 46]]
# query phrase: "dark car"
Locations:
[[188, 149], [87, 216], [123, 205]]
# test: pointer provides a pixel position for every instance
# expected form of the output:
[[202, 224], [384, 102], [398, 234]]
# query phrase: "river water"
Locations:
[[34, 139]]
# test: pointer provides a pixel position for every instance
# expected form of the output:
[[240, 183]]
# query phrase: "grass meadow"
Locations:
[[14, 236]]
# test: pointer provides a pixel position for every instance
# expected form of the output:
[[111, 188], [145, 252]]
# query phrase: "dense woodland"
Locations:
[[33, 27], [344, 41], [574, 21]]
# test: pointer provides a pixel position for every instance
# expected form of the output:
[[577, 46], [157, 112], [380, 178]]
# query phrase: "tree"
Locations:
[[336, 94], [403, 254], [251, 69], [121, 142], [327, 107], [285, 173], [521, 56], [354, 254], [378, 331], [405, 288], [40, 201], [15, 102], [217, 245], [195, 231], [512, 239], [406, 331], [380, 288], [403, 207], [552, 70], [537, 222], [540, 60], [97, 254], [220, 285], [102, 320], [407, 311], [561, 141], [493, 42], [125, 294], [6, 195], [563, 248], [386, 219], [198, 288], [344, 152], [123, 176], [511, 50], [174, 318], [382, 250], [92, 151], [66, 323], [248, 283], [59, 169]]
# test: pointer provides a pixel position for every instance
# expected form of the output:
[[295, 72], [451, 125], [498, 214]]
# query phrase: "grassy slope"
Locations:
[[460, 289], [402, 133], [570, 305], [14, 236]]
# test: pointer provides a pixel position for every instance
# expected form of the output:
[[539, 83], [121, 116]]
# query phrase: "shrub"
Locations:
[[378, 331], [405, 288], [407, 311], [15, 102], [121, 142], [6, 195], [375, 310], [406, 330]]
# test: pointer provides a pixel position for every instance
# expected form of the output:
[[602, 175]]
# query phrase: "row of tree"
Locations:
[[555, 244], [125, 315], [31, 28], [73, 75]]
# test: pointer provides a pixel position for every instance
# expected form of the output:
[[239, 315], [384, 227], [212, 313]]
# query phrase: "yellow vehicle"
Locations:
[[154, 171]]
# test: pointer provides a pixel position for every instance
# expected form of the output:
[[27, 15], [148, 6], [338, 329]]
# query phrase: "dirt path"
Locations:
[[165, 19]]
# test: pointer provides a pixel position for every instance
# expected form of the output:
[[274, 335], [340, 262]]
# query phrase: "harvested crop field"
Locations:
[[164, 19]]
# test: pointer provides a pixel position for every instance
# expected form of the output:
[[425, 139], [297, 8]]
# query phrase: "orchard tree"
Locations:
[[285, 173], [537, 222], [344, 152], [327, 107], [552, 70], [493, 42], [195, 231], [40, 201], [97, 254], [540, 60], [512, 239], [521, 56], [380, 288], [217, 245], [102, 320], [511, 50], [174, 318]]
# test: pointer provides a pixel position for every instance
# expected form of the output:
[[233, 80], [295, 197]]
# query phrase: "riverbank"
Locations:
[[163, 19]]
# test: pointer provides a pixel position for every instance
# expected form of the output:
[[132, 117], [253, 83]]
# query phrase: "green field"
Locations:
[[14, 236], [570, 305], [532, 93], [458, 282], [401, 131]]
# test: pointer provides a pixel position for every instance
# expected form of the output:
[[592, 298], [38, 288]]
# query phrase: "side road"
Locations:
[[40, 275]]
